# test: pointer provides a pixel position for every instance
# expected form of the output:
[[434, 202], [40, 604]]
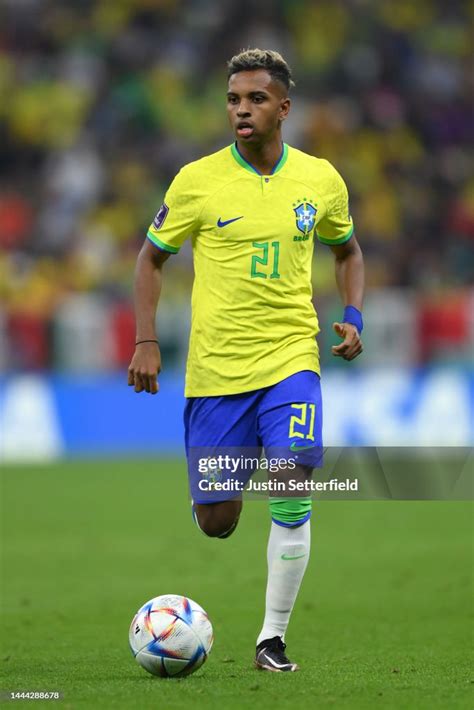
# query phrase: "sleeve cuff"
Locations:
[[340, 240], [161, 245]]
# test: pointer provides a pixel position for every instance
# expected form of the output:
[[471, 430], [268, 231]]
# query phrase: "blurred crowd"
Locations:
[[102, 101]]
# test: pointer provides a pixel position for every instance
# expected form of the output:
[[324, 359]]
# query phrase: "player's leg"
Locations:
[[287, 558], [218, 427], [218, 519], [290, 423]]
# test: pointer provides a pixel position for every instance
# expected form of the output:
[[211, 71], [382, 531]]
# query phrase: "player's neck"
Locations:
[[262, 157]]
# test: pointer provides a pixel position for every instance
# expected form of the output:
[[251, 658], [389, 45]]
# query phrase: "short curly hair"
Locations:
[[253, 59]]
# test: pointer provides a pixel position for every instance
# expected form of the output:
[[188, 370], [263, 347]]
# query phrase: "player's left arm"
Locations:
[[349, 264]]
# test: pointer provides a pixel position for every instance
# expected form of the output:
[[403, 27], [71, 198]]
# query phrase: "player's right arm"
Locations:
[[146, 361], [175, 221]]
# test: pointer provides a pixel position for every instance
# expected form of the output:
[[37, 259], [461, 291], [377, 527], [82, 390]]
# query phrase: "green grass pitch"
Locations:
[[382, 620]]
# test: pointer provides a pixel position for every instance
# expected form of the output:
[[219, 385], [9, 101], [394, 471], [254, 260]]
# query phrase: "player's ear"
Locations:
[[284, 108]]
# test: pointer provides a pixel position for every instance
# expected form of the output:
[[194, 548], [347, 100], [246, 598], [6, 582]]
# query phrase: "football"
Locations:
[[171, 636]]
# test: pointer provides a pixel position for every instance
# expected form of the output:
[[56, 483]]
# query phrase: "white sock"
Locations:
[[287, 556]]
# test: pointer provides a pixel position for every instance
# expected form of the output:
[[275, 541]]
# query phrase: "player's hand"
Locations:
[[145, 367], [351, 345]]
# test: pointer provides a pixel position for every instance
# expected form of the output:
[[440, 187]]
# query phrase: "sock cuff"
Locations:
[[290, 512], [293, 525]]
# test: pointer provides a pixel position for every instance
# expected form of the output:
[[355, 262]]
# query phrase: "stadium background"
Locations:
[[101, 103]]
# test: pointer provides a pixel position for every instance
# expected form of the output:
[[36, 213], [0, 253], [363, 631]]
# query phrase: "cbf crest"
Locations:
[[210, 471], [305, 213]]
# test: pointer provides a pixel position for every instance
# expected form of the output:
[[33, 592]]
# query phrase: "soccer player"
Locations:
[[253, 211]]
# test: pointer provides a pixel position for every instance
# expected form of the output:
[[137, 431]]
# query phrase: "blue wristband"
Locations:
[[353, 316]]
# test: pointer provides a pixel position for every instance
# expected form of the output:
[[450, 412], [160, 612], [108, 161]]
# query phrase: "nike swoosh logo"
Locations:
[[295, 447], [274, 663], [220, 223], [292, 557]]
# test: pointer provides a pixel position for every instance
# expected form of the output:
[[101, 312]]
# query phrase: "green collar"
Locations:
[[248, 166]]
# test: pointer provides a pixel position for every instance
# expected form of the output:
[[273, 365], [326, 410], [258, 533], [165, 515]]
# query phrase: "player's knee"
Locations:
[[217, 521], [290, 512], [217, 527]]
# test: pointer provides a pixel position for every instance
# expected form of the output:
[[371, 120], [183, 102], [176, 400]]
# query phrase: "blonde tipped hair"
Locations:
[[253, 59]]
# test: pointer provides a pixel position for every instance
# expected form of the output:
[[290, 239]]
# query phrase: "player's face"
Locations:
[[256, 105]]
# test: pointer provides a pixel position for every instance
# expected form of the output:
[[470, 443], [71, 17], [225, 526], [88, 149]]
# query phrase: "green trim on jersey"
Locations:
[[341, 240], [158, 243], [283, 159], [248, 166]]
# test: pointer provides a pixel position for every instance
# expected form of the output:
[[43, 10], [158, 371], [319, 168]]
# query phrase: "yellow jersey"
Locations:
[[253, 321]]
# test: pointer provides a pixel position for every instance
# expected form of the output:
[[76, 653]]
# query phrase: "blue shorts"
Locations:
[[284, 419]]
